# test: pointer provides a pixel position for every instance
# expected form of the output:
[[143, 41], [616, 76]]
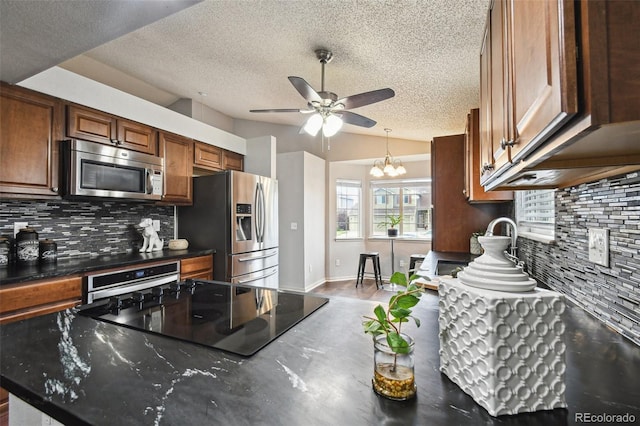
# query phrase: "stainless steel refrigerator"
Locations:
[[236, 214]]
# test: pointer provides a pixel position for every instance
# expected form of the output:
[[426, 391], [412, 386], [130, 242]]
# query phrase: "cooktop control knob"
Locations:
[[156, 293], [137, 296], [174, 287]]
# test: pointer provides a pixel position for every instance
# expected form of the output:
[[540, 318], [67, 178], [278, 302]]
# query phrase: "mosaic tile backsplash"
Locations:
[[87, 228], [611, 294]]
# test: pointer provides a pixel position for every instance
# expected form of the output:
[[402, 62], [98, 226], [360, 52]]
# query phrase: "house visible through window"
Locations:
[[409, 199], [535, 212], [348, 211]]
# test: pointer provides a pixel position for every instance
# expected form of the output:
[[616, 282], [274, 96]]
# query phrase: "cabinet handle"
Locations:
[[505, 143], [487, 167], [54, 189]]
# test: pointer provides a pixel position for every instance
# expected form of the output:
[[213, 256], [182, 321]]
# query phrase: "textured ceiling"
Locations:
[[241, 52]]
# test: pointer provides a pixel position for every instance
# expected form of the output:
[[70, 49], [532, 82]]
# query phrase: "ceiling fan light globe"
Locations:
[[313, 124], [331, 125]]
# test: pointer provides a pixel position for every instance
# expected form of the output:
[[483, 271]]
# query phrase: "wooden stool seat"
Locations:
[[375, 259]]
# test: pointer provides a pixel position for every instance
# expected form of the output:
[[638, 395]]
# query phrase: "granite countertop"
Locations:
[[82, 371], [79, 265]]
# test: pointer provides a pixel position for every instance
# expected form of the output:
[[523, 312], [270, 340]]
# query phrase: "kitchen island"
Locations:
[[82, 371]]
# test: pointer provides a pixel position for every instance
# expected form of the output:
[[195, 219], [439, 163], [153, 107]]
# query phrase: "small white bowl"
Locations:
[[180, 244]]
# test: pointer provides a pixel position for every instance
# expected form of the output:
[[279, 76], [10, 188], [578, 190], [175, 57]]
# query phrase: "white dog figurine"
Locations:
[[151, 240]]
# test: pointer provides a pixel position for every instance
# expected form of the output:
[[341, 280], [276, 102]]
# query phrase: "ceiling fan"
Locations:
[[329, 112]]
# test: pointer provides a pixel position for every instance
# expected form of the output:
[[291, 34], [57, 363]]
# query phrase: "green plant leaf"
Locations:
[[397, 344], [398, 278], [417, 321], [400, 312], [407, 301], [380, 314]]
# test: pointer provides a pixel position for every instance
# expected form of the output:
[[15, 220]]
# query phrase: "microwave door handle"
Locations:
[[149, 182]]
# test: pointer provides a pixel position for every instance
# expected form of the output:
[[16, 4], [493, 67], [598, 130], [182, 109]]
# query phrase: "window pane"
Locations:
[[535, 211], [410, 199], [348, 201]]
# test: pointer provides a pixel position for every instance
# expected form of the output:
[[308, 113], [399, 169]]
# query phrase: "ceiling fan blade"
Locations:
[[278, 110], [356, 119], [305, 89], [362, 99]]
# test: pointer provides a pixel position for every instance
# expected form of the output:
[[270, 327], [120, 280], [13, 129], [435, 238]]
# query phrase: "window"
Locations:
[[535, 213], [410, 199], [348, 212]]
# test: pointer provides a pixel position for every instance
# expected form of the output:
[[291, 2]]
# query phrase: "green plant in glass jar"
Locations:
[[393, 350]]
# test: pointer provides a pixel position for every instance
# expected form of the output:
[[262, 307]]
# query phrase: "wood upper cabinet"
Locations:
[[573, 105], [474, 192], [31, 127], [177, 152], [542, 70], [206, 156], [213, 158], [233, 161], [88, 124], [528, 77]]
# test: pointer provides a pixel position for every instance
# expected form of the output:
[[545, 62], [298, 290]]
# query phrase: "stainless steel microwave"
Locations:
[[95, 170]]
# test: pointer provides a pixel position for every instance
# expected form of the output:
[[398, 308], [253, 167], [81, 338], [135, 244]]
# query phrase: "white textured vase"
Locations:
[[494, 271]]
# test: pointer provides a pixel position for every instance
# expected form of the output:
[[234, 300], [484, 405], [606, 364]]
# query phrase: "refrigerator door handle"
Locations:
[[249, 259], [256, 278], [260, 216]]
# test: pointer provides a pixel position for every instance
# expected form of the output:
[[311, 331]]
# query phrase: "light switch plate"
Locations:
[[599, 246]]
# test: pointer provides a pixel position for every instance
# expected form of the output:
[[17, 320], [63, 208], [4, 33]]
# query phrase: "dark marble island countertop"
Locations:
[[80, 265], [82, 371]]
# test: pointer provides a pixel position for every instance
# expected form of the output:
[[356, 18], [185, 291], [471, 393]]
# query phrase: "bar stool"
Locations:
[[375, 259], [415, 258]]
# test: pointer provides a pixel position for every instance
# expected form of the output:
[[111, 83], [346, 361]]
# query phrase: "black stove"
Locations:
[[233, 318]]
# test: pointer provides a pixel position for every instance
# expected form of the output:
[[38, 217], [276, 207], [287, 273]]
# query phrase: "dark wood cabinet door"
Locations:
[[542, 51], [31, 127], [97, 126], [233, 161], [486, 165], [137, 137], [207, 156], [499, 85], [91, 125], [473, 190], [177, 152]]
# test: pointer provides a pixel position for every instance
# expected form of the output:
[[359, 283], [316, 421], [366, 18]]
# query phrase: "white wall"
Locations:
[[301, 192], [261, 156]]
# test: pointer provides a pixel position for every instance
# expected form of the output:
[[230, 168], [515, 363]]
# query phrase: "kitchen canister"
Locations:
[[5, 252], [27, 246], [48, 251]]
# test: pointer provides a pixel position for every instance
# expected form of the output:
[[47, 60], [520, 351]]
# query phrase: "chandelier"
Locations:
[[388, 166]]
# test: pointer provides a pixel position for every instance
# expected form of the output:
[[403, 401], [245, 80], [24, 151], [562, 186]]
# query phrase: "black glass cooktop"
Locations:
[[233, 318]]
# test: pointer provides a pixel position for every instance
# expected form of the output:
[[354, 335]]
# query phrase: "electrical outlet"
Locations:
[[156, 225], [402, 263], [17, 226], [599, 246], [294, 226], [337, 262]]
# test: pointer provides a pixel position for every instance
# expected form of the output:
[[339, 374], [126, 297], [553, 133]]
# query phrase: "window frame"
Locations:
[[531, 219], [401, 185], [348, 183]]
